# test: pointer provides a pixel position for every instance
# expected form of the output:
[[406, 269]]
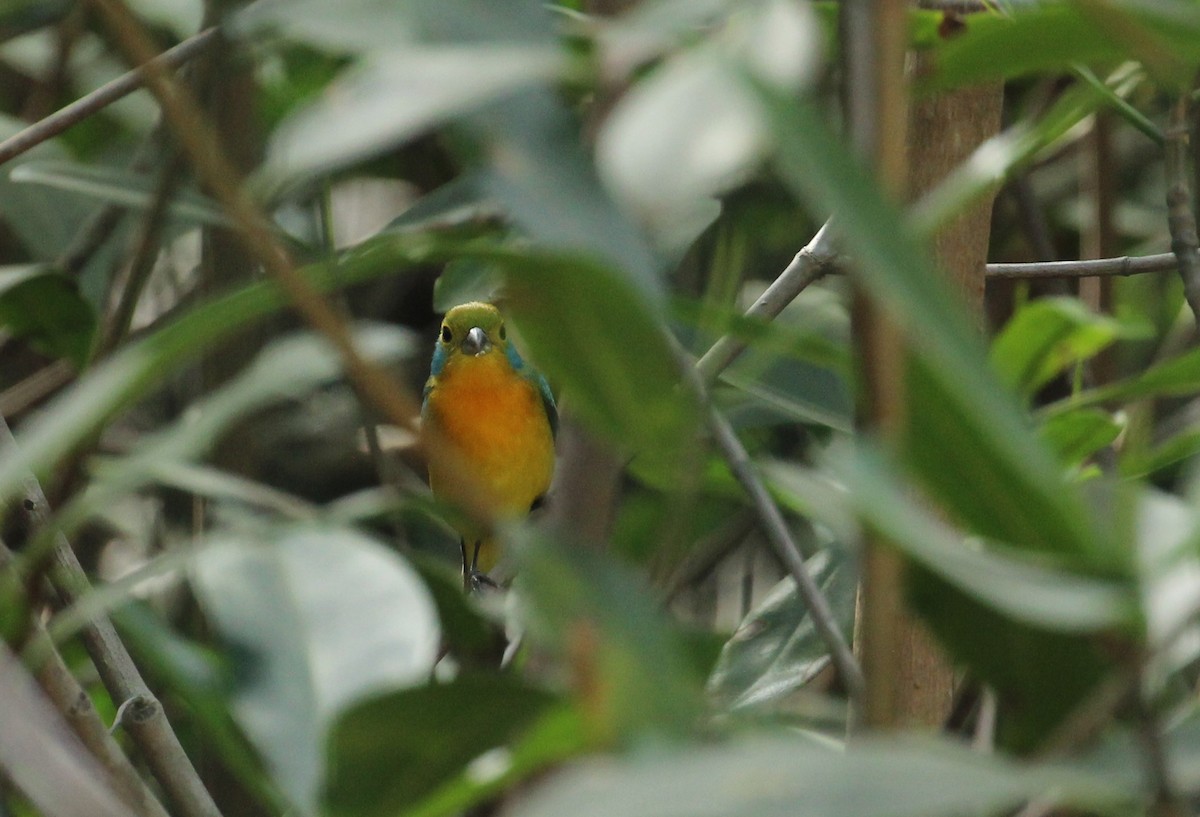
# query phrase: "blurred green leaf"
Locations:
[[1076, 435], [465, 280], [46, 309], [1013, 620], [532, 164], [316, 619], [1046, 336], [1046, 37], [202, 679], [390, 97], [632, 670], [776, 650], [963, 427], [1037, 592], [44, 220], [772, 777], [367, 26], [117, 186], [556, 736], [389, 753]]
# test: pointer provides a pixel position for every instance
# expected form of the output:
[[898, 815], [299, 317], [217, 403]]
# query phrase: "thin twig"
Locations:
[[812, 262], [102, 97], [145, 254], [1094, 268], [150, 730], [776, 530], [1181, 218]]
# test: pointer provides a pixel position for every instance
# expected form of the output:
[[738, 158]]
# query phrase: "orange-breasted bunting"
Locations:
[[492, 416]]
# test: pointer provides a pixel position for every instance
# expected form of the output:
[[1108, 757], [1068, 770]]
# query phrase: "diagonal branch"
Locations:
[[776, 530], [45, 129], [812, 262], [148, 727]]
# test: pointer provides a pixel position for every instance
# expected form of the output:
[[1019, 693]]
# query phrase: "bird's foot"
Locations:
[[474, 581]]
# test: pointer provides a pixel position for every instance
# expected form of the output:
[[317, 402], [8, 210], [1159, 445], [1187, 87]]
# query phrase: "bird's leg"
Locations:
[[473, 579]]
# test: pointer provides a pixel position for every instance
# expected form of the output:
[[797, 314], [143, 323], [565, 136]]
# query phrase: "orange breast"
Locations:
[[497, 426]]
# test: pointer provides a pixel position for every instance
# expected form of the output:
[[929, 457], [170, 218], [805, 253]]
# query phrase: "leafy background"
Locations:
[[214, 323]]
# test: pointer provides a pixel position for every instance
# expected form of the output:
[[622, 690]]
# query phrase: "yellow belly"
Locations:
[[491, 424]]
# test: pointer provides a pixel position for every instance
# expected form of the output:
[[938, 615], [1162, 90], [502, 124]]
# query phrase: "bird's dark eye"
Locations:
[[503, 334], [447, 335]]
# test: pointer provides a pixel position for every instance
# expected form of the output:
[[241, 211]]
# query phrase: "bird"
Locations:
[[490, 424]]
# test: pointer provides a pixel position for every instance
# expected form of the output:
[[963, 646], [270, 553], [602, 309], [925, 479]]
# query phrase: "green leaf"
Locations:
[[773, 777], [535, 168], [388, 753], [1033, 591], [556, 736], [316, 619], [1053, 36], [391, 97], [777, 649], [1016, 622], [1076, 435], [120, 187], [962, 424], [465, 280], [1046, 336], [46, 309], [634, 674]]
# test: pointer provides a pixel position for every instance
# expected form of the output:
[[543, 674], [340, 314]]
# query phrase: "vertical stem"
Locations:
[[1097, 239], [909, 681]]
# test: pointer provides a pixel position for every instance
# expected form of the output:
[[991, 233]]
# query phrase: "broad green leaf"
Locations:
[[1033, 591], [391, 97], [774, 777], [556, 736], [1171, 451], [1046, 336], [963, 425], [46, 309], [44, 220], [317, 619], [776, 650], [465, 280], [633, 673], [120, 187], [1076, 435], [1024, 626], [1168, 531], [365, 26], [530, 161], [1053, 36], [390, 752]]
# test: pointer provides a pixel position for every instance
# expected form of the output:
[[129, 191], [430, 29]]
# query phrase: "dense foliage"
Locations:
[[217, 303]]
